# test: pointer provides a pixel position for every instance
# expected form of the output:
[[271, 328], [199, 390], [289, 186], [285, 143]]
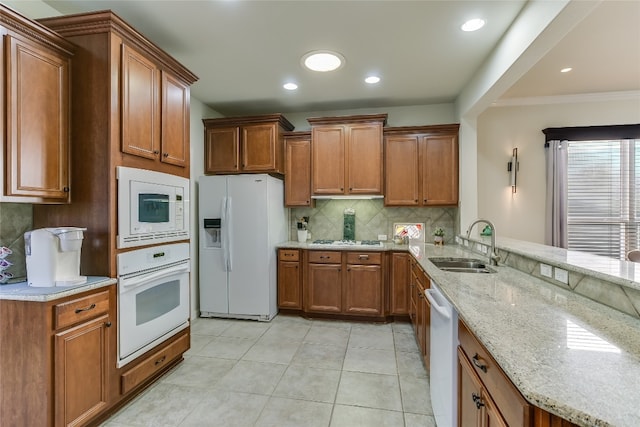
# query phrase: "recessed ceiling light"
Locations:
[[322, 60], [290, 86], [566, 70], [473, 24], [372, 79]]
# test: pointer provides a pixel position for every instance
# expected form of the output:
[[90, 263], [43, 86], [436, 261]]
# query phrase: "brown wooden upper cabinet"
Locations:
[[155, 110], [346, 155], [35, 112], [130, 102], [297, 169], [421, 165], [253, 144]]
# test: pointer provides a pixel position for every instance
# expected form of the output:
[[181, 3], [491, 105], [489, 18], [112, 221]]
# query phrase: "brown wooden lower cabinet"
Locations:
[[486, 396], [59, 361], [289, 279], [56, 359], [399, 280], [363, 288]]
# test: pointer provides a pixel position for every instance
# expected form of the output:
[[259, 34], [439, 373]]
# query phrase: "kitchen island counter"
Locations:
[[569, 355]]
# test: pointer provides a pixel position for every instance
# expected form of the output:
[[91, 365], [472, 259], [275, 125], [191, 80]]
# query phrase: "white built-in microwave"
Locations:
[[153, 207]]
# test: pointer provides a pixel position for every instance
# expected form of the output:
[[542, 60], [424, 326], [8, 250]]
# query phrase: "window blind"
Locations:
[[603, 202]]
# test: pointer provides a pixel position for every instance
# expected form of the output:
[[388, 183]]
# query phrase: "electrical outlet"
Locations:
[[466, 243], [545, 270], [561, 275], [458, 240], [382, 237], [483, 248]]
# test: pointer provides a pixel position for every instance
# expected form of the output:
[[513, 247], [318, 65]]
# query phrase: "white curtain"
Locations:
[[556, 203]]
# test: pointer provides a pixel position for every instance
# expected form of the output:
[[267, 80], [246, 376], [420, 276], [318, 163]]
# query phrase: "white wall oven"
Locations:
[[153, 297], [153, 207]]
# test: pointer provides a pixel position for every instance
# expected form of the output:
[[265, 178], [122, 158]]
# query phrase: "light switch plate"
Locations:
[[561, 275], [483, 248], [466, 243], [546, 270], [458, 240]]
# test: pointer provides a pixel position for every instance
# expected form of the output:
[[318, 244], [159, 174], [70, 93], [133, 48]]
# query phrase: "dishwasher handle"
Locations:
[[439, 308]]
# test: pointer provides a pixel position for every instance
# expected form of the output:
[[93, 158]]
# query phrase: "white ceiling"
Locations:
[[243, 51]]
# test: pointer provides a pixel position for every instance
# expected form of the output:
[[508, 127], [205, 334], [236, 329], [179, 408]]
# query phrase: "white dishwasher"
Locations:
[[443, 377]]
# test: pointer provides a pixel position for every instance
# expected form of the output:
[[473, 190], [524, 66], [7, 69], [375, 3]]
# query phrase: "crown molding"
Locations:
[[569, 99]]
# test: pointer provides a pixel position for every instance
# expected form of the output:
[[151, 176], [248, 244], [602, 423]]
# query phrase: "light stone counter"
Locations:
[[22, 292], [567, 354]]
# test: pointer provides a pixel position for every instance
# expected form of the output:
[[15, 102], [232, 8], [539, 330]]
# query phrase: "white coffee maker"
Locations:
[[53, 256]]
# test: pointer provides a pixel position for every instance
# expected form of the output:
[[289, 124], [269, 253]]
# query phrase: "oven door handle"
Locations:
[[145, 278]]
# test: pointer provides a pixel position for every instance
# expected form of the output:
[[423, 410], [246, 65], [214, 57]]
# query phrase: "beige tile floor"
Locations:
[[289, 372]]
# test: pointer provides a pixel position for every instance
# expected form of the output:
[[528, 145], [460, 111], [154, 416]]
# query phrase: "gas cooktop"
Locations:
[[370, 243]]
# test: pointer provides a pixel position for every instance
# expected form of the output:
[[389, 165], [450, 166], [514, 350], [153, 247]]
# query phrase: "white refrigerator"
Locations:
[[241, 220]]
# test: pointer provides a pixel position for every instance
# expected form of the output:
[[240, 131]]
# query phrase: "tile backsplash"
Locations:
[[15, 220], [372, 218]]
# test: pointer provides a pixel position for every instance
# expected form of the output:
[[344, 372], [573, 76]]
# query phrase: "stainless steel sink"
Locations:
[[462, 265]]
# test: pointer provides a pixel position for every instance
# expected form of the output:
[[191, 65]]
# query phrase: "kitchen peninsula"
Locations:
[[528, 326]]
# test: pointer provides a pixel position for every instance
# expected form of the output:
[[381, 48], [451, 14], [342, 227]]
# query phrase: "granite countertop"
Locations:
[[536, 332], [22, 292]]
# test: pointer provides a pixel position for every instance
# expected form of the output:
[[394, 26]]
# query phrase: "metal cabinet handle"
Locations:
[[165, 155], [80, 310], [108, 324], [156, 152], [65, 189], [476, 361], [159, 361], [478, 400], [363, 256]]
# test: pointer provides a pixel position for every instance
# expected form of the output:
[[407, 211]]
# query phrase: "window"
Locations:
[[593, 188], [603, 200]]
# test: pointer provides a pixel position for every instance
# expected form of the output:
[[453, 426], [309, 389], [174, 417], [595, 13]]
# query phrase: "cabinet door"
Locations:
[[363, 290], [175, 121], [413, 299], [364, 159], [222, 150], [401, 171], [491, 416], [289, 287], [81, 372], [297, 173], [400, 280], [140, 105], [324, 288], [259, 147], [327, 159], [439, 157], [37, 121], [469, 395]]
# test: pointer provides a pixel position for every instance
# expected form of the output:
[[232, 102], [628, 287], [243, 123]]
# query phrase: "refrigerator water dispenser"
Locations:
[[212, 236]]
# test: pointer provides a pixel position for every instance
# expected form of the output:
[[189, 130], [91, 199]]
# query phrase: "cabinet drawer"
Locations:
[[325, 257], [77, 310], [288, 255], [364, 258], [154, 363], [514, 408]]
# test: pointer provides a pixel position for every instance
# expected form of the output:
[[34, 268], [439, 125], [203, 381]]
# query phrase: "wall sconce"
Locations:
[[512, 168]]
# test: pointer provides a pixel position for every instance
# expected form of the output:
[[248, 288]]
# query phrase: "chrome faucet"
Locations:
[[494, 258]]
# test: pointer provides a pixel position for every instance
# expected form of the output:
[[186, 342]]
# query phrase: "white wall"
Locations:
[[500, 129]]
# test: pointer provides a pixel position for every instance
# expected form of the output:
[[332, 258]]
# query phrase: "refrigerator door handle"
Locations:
[[225, 233], [229, 239]]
